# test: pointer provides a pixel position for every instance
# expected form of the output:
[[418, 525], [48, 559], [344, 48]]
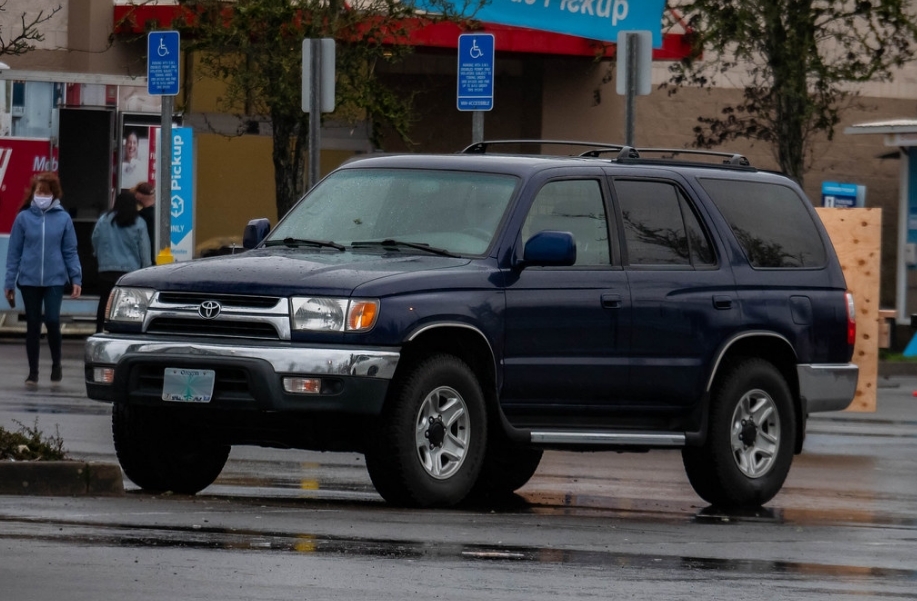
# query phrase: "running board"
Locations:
[[641, 439]]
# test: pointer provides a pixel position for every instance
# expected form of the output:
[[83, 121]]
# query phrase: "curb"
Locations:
[[897, 368], [60, 478]]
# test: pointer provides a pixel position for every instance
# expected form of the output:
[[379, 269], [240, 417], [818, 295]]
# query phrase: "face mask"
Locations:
[[43, 202]]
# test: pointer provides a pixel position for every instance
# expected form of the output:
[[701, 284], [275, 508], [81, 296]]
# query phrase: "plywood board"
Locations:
[[857, 238]]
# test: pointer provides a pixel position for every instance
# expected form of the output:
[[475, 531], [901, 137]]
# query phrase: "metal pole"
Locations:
[[164, 202], [630, 83], [315, 113], [477, 127]]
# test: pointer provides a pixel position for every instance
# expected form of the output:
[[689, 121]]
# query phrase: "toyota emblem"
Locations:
[[209, 309]]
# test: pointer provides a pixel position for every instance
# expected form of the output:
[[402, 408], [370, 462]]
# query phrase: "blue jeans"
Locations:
[[33, 297]]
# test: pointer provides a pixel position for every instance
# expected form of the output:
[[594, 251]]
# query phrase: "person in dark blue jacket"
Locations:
[[42, 259]]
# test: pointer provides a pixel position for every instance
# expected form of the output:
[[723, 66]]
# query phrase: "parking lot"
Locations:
[[282, 524]]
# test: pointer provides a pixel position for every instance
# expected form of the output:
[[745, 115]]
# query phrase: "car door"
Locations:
[[566, 328], [682, 289]]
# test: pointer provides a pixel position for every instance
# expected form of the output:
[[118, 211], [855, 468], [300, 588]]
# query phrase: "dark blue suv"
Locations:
[[452, 316]]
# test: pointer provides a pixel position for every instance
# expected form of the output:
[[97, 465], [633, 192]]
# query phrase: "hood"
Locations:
[[55, 206], [285, 272]]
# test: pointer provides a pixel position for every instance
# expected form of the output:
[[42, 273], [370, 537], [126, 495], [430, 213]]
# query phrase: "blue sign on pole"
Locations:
[[593, 19], [162, 53], [840, 195], [181, 203], [476, 72]]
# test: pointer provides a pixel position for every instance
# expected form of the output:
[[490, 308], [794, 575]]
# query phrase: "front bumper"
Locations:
[[249, 375], [827, 387]]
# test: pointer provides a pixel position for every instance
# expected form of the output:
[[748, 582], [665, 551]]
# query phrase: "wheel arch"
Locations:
[[471, 345], [775, 349], [463, 340]]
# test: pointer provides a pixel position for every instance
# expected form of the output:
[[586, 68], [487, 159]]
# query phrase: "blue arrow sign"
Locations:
[[476, 72], [162, 53]]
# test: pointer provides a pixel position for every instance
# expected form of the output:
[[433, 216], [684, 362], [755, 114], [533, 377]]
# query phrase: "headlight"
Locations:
[[129, 304], [333, 314]]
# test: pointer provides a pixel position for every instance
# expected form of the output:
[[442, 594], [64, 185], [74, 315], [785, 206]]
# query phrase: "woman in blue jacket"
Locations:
[[121, 244], [42, 259]]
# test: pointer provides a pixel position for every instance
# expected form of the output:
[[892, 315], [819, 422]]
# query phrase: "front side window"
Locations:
[[574, 206], [770, 221], [453, 210], [660, 228]]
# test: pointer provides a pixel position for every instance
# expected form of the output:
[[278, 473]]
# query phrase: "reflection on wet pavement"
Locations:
[[203, 537]]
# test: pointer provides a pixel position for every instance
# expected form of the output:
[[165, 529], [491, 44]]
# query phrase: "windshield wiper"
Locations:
[[392, 243], [297, 242]]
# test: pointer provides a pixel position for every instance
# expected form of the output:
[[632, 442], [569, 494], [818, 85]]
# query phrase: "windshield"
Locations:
[[454, 211]]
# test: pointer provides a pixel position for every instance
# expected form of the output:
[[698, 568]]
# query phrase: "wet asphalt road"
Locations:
[[300, 525]]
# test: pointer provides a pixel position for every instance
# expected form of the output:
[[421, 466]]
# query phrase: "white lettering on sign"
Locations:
[[616, 10], [44, 164], [5, 155], [177, 143]]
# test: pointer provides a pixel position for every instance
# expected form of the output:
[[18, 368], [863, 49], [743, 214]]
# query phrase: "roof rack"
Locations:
[[624, 153], [597, 147], [628, 152]]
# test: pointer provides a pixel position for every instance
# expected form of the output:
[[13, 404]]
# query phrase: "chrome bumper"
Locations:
[[825, 387], [285, 357]]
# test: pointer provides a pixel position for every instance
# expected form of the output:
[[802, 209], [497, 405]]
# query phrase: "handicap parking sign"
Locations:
[[476, 72]]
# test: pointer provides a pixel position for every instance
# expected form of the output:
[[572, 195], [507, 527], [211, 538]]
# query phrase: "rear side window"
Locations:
[[659, 226], [770, 221]]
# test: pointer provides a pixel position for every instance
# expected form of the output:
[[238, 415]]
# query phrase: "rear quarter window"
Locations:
[[770, 221]]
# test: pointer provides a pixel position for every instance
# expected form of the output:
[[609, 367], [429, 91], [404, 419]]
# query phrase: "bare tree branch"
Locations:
[[22, 39]]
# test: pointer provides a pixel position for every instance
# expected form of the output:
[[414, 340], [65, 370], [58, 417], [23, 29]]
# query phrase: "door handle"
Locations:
[[612, 301], [722, 302]]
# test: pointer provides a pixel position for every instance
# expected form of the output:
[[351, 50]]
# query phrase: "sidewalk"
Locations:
[[53, 478]]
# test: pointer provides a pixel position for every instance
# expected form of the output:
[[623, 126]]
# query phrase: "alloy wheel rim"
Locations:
[[442, 432], [755, 436]]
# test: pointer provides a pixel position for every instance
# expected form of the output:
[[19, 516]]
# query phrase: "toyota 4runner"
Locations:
[[452, 316]]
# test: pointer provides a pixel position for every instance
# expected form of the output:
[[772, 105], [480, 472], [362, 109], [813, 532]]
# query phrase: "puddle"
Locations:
[[201, 537]]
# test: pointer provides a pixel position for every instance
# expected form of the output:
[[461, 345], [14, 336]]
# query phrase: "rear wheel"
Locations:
[[430, 444], [159, 456], [749, 448]]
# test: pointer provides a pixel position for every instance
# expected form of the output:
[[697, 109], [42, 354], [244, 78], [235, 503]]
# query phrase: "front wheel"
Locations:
[[160, 456], [430, 443], [752, 432]]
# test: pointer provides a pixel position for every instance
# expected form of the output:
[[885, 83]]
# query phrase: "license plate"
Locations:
[[188, 385]]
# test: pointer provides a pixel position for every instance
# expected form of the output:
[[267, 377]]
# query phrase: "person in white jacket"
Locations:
[[121, 244]]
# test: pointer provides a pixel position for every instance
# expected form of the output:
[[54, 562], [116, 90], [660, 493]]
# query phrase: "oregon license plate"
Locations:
[[188, 385]]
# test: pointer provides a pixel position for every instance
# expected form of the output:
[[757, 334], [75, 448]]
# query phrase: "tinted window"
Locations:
[[770, 221], [659, 226], [573, 206]]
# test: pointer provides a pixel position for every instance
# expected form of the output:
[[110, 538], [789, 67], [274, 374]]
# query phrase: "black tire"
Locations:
[[412, 470], [160, 456], [506, 469], [750, 440]]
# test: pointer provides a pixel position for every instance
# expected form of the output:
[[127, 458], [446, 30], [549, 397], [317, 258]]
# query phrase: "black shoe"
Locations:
[[31, 382], [56, 375]]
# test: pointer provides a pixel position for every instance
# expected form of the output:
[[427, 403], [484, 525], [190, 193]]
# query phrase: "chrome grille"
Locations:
[[213, 327], [227, 300], [238, 316]]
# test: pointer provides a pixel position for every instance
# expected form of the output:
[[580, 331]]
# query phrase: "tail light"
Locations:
[[851, 321]]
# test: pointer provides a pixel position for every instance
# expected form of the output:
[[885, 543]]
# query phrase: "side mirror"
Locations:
[[255, 232], [550, 248]]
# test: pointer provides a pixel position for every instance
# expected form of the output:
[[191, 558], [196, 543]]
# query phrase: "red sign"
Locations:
[[20, 159]]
